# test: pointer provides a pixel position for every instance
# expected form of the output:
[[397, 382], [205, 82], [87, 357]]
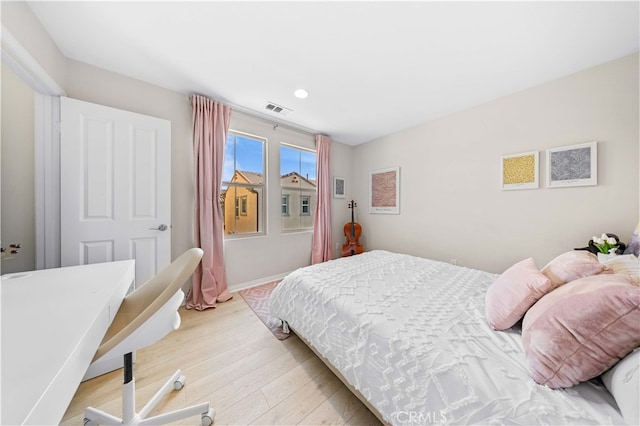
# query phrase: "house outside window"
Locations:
[[298, 185], [243, 191]]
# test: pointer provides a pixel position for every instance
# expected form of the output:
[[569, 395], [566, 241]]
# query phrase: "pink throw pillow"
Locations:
[[581, 329], [513, 292], [572, 265]]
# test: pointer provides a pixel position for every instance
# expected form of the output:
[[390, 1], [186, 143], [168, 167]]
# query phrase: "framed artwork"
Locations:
[[519, 171], [384, 191], [573, 165], [339, 189]]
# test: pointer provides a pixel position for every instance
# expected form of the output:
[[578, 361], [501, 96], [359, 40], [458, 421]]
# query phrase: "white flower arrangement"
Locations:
[[605, 244]]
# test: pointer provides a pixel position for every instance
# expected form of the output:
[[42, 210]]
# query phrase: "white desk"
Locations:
[[52, 323]]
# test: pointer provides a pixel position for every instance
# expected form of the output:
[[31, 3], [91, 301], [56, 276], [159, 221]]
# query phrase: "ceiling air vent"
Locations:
[[278, 109]]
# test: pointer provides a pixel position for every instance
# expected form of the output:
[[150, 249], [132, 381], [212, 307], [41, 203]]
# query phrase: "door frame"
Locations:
[[47, 174], [47, 146]]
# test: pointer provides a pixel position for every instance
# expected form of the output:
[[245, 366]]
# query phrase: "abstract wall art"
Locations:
[[519, 171], [573, 165], [384, 191]]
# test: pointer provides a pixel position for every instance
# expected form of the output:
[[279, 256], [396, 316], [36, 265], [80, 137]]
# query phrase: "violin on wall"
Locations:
[[352, 232]]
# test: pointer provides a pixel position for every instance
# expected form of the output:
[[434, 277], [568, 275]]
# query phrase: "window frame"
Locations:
[[306, 198], [300, 213], [232, 186], [243, 205], [284, 202]]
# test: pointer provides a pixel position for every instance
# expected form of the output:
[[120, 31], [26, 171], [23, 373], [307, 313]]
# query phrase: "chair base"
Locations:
[[131, 417]]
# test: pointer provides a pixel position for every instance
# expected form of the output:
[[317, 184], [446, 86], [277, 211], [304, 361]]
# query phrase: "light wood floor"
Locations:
[[232, 360]]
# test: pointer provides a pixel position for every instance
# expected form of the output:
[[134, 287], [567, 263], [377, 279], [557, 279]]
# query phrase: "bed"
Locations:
[[410, 337]]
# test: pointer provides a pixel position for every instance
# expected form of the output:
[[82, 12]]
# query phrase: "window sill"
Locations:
[[297, 231]]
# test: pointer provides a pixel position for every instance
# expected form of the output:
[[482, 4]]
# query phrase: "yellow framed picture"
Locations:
[[519, 171]]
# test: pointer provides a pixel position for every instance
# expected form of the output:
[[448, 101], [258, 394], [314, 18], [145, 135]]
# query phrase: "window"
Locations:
[[305, 203], [243, 191], [241, 206], [298, 187]]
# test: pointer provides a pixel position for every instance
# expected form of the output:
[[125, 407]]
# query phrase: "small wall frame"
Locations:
[[572, 165], [520, 171], [339, 187]]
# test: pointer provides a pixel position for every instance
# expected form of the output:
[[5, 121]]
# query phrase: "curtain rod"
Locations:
[[273, 122]]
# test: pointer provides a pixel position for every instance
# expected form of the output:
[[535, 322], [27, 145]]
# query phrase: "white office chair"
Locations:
[[146, 315]]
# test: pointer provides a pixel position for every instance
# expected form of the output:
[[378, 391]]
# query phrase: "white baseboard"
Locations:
[[243, 286]]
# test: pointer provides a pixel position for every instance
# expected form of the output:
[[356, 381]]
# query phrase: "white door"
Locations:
[[115, 187]]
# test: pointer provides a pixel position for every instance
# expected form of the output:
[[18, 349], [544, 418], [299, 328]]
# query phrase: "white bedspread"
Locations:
[[410, 334]]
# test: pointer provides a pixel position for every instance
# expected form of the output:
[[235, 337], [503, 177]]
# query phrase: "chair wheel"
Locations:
[[89, 422], [207, 418], [179, 384]]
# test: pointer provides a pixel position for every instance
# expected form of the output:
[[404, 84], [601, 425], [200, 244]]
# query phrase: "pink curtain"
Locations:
[[322, 241], [210, 127]]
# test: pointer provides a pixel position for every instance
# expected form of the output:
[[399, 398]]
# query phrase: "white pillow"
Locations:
[[626, 264], [623, 381]]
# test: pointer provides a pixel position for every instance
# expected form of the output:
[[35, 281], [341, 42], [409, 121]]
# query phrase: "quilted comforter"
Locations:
[[410, 335]]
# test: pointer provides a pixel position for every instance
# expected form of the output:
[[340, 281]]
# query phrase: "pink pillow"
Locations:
[[572, 265], [509, 297], [581, 329]]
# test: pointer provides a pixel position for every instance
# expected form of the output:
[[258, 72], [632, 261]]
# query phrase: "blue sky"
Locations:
[[249, 157], [296, 160]]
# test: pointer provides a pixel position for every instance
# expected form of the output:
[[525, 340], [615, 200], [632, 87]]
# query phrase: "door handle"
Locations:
[[162, 227]]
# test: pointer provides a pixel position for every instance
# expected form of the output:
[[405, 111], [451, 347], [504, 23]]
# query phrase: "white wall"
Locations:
[[451, 205], [18, 178], [342, 159], [31, 35]]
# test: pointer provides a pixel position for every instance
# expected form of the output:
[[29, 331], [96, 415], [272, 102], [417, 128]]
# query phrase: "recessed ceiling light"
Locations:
[[301, 93]]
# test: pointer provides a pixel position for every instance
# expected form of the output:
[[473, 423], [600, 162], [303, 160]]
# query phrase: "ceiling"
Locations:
[[371, 68]]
